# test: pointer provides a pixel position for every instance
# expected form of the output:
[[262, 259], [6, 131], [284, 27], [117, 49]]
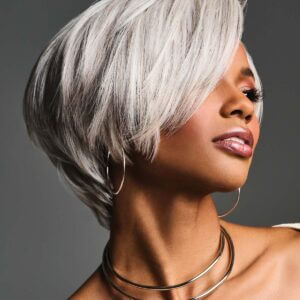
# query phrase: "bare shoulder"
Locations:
[[94, 288], [269, 240], [287, 244], [251, 244], [283, 251], [280, 243], [268, 261]]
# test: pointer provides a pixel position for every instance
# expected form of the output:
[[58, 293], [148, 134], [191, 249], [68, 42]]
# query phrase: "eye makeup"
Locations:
[[254, 94]]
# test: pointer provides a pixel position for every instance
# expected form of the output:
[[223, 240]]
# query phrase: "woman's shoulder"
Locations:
[[286, 242], [273, 251], [94, 288], [285, 235], [286, 238], [281, 239]]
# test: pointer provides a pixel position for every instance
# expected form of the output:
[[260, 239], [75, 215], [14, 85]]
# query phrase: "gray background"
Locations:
[[49, 241]]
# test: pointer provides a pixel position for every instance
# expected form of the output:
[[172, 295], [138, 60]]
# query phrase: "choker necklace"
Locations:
[[107, 266]]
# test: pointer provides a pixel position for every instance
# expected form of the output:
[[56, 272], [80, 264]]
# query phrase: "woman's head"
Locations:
[[121, 75]]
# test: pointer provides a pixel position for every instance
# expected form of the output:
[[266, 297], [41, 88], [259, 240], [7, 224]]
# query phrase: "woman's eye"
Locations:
[[254, 94]]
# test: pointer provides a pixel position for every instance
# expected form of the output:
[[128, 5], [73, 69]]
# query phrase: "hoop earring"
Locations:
[[234, 206], [107, 174]]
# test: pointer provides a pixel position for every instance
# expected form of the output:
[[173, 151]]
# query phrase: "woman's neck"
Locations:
[[159, 237]]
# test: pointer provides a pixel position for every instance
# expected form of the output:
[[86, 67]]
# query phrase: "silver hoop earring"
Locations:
[[107, 174], [234, 206]]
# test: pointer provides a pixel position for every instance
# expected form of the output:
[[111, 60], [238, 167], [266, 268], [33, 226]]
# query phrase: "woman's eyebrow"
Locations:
[[247, 72]]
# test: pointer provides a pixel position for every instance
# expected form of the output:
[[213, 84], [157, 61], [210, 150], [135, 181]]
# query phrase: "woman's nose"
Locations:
[[238, 105]]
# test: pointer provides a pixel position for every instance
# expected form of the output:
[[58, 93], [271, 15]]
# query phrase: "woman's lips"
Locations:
[[243, 150], [238, 141]]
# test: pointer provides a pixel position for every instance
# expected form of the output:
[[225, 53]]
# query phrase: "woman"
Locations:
[[147, 107]]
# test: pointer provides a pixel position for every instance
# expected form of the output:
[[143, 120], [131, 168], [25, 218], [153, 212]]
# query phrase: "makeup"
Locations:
[[237, 142]]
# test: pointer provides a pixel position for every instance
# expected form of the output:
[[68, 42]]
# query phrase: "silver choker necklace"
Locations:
[[107, 268]]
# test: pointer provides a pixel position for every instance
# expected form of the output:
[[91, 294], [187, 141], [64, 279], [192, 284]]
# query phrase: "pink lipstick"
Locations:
[[236, 142]]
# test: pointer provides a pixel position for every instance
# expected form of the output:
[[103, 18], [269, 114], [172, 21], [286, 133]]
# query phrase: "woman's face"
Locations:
[[190, 159]]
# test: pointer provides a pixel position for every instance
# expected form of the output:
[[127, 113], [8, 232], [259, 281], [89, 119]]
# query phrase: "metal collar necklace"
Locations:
[[107, 267]]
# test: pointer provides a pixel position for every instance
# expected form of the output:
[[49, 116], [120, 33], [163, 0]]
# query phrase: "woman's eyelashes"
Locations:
[[255, 95]]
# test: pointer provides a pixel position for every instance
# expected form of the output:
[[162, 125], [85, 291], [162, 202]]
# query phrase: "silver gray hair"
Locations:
[[121, 73]]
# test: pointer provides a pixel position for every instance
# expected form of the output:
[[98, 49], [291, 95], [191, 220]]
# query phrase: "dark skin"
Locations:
[[165, 226]]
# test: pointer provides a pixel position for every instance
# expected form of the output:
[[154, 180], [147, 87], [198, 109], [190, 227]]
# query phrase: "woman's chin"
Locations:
[[232, 185], [228, 181]]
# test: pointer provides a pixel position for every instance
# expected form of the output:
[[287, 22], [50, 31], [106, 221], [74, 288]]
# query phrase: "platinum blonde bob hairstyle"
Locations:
[[120, 74]]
